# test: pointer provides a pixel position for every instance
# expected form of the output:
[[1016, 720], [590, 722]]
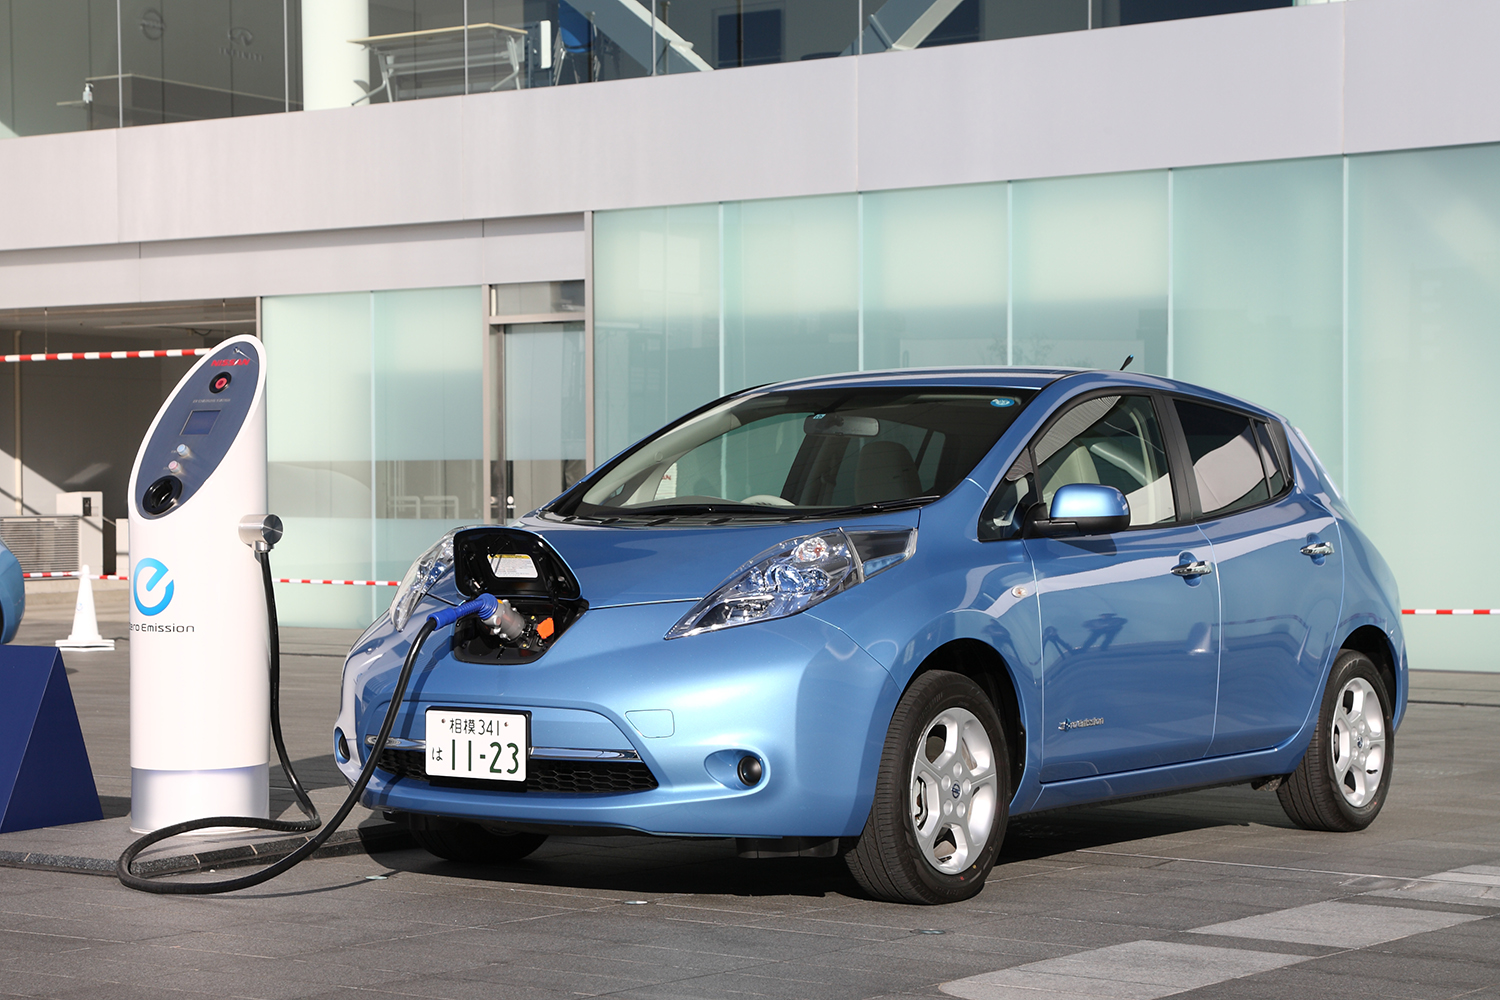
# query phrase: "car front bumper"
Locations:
[[797, 693]]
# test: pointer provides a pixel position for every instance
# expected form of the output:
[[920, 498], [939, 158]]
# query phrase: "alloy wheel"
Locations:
[[954, 790], [1357, 742]]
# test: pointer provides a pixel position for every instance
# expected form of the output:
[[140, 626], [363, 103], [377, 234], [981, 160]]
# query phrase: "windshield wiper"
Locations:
[[720, 513], [728, 507], [874, 507]]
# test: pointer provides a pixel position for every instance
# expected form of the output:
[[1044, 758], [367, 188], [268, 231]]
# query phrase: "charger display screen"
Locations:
[[200, 422]]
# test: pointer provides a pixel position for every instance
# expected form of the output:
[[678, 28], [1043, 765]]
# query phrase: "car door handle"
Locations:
[[1315, 549], [1199, 568]]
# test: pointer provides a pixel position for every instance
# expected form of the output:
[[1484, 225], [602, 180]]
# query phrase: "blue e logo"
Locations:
[[148, 573]]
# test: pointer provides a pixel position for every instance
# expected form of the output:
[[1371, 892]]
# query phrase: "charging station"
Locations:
[[199, 693], [205, 662]]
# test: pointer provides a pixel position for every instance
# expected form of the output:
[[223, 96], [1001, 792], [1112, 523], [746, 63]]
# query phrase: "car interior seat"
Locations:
[[1078, 467], [885, 471]]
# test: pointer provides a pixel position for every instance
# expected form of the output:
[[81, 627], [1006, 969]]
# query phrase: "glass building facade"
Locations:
[[71, 65], [1231, 276], [1356, 295], [375, 425]]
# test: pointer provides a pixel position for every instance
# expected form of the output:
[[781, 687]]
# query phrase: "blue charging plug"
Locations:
[[485, 606]]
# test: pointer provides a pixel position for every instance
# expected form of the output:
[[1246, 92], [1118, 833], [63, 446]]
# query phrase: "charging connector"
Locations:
[[506, 623]]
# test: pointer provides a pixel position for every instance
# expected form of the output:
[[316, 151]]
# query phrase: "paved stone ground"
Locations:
[[100, 682], [1210, 895]]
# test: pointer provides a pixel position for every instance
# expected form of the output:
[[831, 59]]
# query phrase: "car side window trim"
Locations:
[[1183, 485], [1280, 451]]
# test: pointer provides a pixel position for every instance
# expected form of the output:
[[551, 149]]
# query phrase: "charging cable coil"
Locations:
[[485, 606]]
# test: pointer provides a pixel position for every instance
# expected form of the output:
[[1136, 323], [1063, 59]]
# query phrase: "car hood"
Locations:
[[628, 565]]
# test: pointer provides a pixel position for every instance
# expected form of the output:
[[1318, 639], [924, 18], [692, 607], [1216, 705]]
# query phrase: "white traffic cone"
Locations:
[[85, 622]]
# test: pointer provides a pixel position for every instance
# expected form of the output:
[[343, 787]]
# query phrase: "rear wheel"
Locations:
[[472, 843], [942, 797], [1343, 779]]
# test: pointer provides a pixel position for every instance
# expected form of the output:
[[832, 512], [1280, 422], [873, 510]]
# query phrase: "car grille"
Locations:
[[578, 777]]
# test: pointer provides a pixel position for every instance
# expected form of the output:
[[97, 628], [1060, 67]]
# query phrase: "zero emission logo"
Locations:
[[148, 574]]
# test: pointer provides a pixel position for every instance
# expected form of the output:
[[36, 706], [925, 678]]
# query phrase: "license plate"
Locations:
[[487, 746]]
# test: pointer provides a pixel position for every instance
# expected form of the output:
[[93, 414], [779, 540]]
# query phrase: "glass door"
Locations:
[[539, 417]]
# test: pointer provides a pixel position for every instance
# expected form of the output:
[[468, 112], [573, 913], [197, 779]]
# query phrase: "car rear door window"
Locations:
[[1115, 441], [1226, 458]]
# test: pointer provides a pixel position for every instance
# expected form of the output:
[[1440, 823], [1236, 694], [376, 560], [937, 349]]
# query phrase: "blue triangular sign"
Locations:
[[45, 778]]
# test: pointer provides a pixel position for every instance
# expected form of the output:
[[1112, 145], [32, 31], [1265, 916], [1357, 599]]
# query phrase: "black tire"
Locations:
[[473, 844], [890, 860], [1338, 787]]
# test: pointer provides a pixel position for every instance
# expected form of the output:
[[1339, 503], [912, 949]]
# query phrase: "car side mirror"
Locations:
[[1083, 509]]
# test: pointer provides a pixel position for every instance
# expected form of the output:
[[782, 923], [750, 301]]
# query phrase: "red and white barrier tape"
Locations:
[[349, 583], [397, 583], [1450, 611], [186, 352], [121, 576]]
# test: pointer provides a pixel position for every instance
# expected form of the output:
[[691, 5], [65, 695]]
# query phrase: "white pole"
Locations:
[[330, 65]]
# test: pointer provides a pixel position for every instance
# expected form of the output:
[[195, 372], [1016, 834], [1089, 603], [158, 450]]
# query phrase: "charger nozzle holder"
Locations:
[[260, 531]]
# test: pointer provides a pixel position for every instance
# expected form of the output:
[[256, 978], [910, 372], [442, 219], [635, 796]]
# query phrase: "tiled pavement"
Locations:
[[1211, 894]]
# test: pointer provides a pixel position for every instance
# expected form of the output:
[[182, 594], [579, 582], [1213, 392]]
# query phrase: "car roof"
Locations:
[[995, 376], [1002, 376]]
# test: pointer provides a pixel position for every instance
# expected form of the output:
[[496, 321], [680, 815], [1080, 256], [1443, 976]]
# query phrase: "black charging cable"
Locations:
[[302, 853]]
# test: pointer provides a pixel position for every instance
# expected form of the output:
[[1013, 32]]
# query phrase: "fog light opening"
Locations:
[[340, 746], [750, 770]]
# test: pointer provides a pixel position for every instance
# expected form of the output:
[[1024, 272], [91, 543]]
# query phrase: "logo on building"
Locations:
[[148, 574], [152, 24], [239, 47]]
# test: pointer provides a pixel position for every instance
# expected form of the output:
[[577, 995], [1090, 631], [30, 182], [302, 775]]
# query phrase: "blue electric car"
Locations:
[[12, 595], [875, 615]]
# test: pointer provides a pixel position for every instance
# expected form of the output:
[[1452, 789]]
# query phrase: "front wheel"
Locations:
[[1345, 775], [942, 797]]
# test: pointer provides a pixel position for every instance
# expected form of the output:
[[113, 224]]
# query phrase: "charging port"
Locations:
[[523, 570]]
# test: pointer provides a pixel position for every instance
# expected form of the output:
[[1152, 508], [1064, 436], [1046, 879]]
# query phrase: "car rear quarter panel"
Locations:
[[1371, 598]]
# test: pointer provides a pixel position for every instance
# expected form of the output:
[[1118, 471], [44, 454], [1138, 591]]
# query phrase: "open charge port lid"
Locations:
[[485, 561]]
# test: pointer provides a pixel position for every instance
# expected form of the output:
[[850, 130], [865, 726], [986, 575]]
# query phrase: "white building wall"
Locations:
[[408, 194]]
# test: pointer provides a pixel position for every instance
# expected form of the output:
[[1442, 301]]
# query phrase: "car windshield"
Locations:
[[805, 452]]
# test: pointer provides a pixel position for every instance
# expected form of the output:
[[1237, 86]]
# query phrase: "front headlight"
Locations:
[[421, 577], [791, 577]]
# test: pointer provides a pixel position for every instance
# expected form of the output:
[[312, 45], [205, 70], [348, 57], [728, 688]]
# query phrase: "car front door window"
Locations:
[[1114, 441]]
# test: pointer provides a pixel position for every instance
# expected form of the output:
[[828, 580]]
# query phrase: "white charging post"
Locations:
[[199, 694]]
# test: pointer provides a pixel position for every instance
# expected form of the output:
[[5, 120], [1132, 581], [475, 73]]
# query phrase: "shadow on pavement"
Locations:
[[1042, 835], [651, 866], [654, 866]]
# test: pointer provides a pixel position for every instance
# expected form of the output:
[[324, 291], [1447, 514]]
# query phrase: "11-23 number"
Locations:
[[500, 750]]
